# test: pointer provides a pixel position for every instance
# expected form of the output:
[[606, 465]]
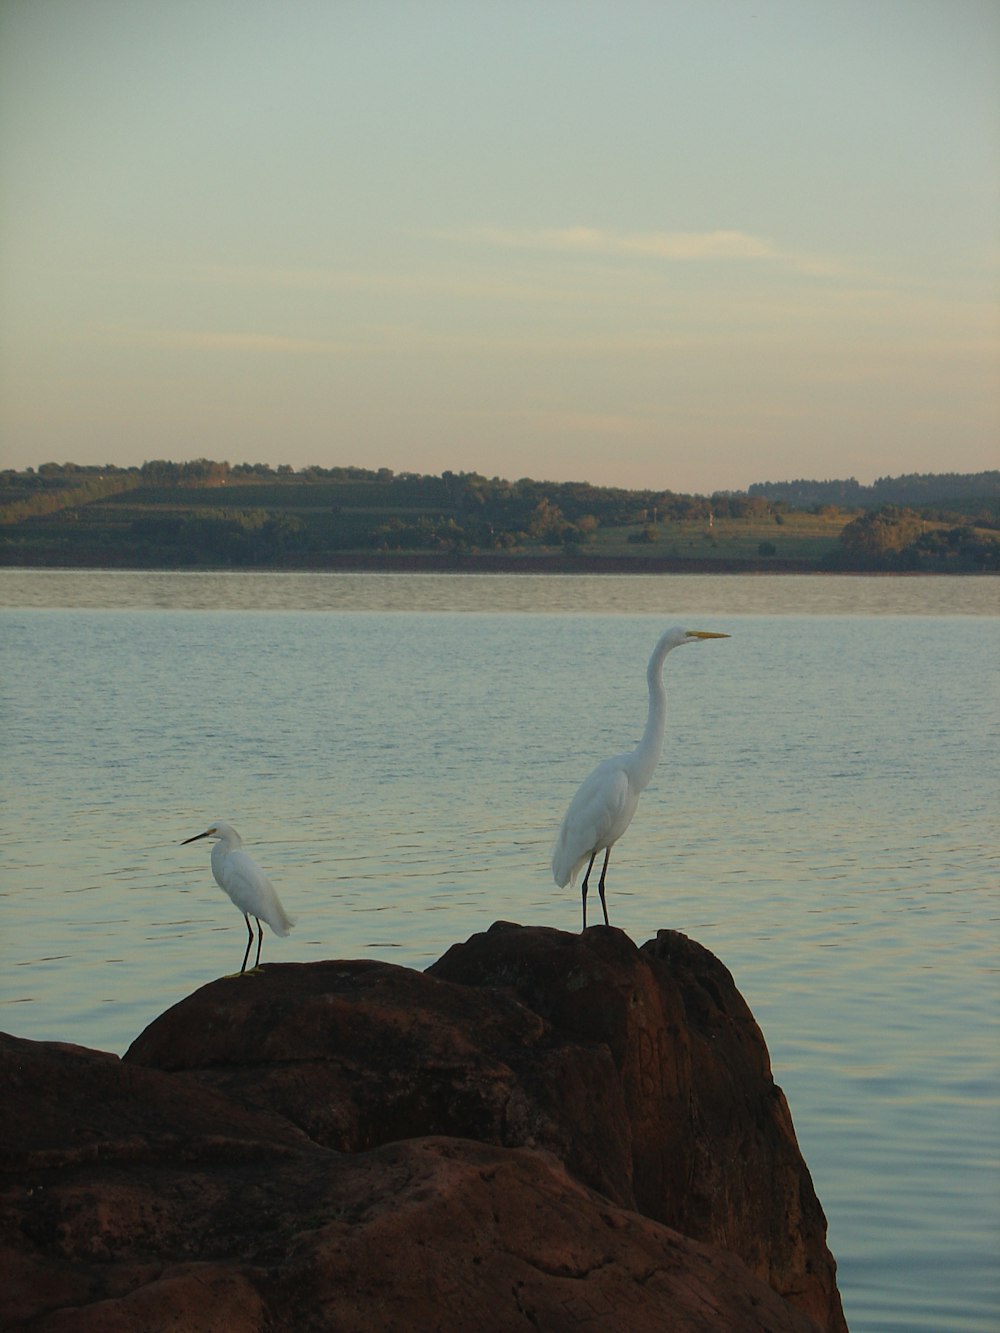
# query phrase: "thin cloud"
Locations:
[[312, 279], [678, 247], [208, 340], [672, 245], [464, 285]]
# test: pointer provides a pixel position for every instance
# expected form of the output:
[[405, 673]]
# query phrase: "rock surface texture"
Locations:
[[544, 1131]]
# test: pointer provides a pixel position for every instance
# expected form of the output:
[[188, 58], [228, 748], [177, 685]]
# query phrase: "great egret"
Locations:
[[605, 802], [245, 882]]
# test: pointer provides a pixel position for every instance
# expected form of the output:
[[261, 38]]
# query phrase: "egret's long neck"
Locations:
[[646, 755], [222, 848], [219, 854]]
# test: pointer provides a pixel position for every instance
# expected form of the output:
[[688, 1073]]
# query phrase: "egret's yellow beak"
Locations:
[[704, 634]]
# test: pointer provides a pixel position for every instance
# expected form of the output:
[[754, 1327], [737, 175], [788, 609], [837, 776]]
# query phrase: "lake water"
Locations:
[[397, 752]]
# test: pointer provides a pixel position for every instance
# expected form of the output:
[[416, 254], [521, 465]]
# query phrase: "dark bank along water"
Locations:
[[823, 819]]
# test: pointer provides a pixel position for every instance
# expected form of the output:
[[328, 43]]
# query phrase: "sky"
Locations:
[[679, 244]]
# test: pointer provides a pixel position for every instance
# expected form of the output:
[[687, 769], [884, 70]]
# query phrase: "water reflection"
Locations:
[[823, 820]]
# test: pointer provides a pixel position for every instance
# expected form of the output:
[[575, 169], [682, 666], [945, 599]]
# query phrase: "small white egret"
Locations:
[[247, 885], [605, 802]]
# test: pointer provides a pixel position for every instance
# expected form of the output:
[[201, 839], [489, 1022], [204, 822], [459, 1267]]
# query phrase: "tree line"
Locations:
[[913, 489]]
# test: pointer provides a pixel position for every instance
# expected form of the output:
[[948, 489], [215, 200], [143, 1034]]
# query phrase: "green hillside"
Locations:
[[212, 515]]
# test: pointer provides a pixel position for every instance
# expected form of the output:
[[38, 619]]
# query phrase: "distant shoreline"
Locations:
[[423, 562]]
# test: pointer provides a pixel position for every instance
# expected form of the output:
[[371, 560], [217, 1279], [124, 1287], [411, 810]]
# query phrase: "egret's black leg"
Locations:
[[260, 936], [600, 885], [585, 879], [246, 918]]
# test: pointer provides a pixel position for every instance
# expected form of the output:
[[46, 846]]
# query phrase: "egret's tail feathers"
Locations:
[[563, 867], [282, 922]]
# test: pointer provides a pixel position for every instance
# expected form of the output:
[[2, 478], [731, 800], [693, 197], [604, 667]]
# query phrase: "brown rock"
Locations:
[[274, 1170], [714, 1153], [150, 1230], [363, 1053]]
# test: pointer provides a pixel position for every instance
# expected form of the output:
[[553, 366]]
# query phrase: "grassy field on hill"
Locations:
[[799, 536], [343, 520], [241, 519]]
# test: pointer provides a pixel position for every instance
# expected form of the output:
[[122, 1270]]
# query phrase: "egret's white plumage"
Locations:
[[606, 800], [245, 882]]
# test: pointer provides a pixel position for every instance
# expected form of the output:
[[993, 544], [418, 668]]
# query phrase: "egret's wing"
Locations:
[[593, 820], [252, 891]]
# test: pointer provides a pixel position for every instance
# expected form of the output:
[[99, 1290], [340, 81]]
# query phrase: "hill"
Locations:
[[209, 514]]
